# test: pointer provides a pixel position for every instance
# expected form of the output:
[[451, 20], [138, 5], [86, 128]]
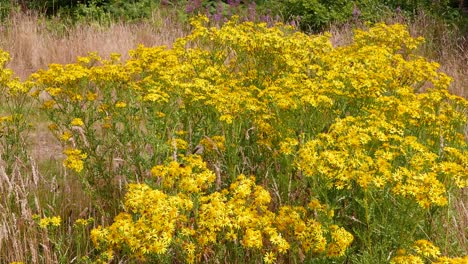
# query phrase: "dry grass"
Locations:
[[27, 192], [33, 42]]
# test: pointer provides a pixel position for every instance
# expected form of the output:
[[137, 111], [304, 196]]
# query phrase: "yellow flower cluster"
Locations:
[[214, 144], [9, 84], [424, 250], [373, 152], [77, 122], [189, 176], [74, 159], [83, 222], [155, 221], [45, 222]]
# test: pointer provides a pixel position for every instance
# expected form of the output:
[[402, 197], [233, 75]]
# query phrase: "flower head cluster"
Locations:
[[374, 113], [190, 176], [45, 222], [373, 152], [155, 221], [74, 159], [424, 250], [9, 84]]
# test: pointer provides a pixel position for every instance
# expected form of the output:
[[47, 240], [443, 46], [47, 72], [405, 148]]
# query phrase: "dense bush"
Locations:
[[318, 14], [357, 143]]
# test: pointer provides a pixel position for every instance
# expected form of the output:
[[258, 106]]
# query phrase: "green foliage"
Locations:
[[116, 10], [131, 10], [318, 14], [6, 6]]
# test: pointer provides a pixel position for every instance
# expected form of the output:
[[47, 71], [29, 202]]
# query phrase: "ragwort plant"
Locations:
[[181, 219], [97, 110], [14, 110], [423, 251], [367, 133]]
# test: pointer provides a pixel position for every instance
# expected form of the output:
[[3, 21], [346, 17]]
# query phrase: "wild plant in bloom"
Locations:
[[391, 133], [14, 112], [75, 159], [357, 133], [423, 251], [185, 214], [54, 221], [370, 153]]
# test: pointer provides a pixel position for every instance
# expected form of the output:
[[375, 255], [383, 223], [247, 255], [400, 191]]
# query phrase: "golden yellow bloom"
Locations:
[[74, 159], [77, 122], [426, 248], [90, 96], [160, 114], [83, 222], [8, 118], [120, 104], [407, 259], [66, 136], [341, 241], [448, 260], [54, 221], [252, 239], [269, 257], [49, 104], [288, 145], [369, 117]]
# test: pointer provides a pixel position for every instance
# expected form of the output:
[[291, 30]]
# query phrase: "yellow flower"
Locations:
[[66, 136], [288, 145], [269, 257], [341, 241], [120, 104], [49, 104], [74, 159], [44, 222], [252, 238], [54, 221], [83, 222], [426, 248], [90, 96], [407, 259], [77, 122]]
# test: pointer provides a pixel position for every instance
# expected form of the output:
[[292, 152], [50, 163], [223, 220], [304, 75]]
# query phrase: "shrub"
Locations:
[[314, 15], [365, 134]]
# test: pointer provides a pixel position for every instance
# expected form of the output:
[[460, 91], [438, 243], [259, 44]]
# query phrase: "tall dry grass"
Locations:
[[445, 44], [27, 192], [33, 42]]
